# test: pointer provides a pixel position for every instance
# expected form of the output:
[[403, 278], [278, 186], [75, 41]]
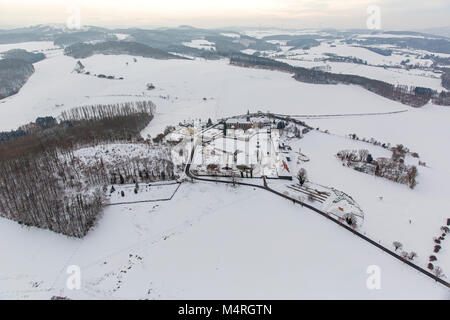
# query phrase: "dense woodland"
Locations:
[[446, 79], [335, 58], [16, 67], [302, 43], [14, 73], [84, 50], [24, 55], [43, 183], [381, 51]]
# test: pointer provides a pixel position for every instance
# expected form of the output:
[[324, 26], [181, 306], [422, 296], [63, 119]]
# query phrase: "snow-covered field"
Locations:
[[396, 76], [201, 44], [231, 35], [379, 67], [150, 192], [216, 241], [413, 217], [211, 241], [345, 50], [178, 95], [261, 33]]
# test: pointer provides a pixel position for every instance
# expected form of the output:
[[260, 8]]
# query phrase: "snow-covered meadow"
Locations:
[[201, 44], [145, 192], [211, 241], [395, 76], [181, 87], [392, 211]]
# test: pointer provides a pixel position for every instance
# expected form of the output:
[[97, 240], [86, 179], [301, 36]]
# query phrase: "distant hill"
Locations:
[[408, 40], [443, 31], [13, 75], [68, 39], [303, 43], [20, 37], [165, 39], [84, 50], [23, 55], [33, 33]]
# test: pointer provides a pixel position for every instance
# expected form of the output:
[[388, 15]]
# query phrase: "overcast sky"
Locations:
[[395, 14]]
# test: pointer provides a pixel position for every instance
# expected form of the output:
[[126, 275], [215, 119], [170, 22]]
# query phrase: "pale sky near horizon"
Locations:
[[395, 14]]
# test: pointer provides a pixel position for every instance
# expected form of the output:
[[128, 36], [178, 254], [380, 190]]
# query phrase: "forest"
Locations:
[[14, 73], [44, 184], [24, 55], [85, 50], [446, 79]]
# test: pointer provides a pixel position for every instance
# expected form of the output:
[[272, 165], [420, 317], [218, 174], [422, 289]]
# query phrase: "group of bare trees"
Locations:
[[97, 112], [393, 169], [443, 98], [42, 182], [437, 247], [141, 170], [405, 254]]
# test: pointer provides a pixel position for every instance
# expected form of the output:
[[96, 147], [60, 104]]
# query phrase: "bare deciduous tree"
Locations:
[[438, 272], [412, 255], [363, 153], [397, 245], [302, 176]]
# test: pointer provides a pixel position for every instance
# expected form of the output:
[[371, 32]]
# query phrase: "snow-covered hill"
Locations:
[[215, 241], [181, 87]]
